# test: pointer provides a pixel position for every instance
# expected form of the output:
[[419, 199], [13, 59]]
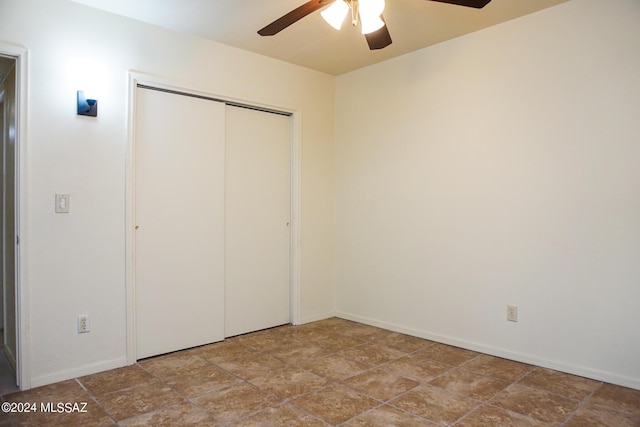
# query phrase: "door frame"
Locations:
[[23, 339], [137, 78]]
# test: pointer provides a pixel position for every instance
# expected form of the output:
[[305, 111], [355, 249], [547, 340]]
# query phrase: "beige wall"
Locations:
[[76, 262], [495, 168], [500, 168]]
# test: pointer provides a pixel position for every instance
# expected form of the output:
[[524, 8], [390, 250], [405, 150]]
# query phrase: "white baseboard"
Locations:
[[315, 318], [120, 362], [608, 377], [78, 372]]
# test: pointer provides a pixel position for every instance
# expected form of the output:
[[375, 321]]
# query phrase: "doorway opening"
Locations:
[[8, 225]]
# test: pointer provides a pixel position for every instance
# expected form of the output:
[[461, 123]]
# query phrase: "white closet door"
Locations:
[[257, 212], [179, 214]]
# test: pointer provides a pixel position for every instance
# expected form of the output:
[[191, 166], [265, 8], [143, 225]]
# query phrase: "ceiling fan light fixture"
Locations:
[[335, 14], [370, 25], [370, 15]]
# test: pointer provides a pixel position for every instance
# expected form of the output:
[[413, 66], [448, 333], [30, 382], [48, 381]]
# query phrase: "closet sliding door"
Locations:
[[257, 220], [179, 215]]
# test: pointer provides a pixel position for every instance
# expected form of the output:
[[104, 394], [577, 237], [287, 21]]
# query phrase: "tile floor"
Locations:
[[333, 372]]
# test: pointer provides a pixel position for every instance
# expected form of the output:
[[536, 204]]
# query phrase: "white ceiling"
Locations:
[[413, 24]]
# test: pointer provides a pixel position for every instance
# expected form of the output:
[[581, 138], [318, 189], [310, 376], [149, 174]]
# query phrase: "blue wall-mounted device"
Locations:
[[87, 107]]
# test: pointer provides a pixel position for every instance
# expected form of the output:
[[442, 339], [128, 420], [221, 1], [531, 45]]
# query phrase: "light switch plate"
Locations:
[[62, 203]]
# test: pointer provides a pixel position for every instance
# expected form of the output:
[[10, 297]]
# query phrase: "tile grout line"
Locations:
[[95, 399], [420, 382], [187, 399], [290, 401], [337, 382], [582, 404], [281, 401]]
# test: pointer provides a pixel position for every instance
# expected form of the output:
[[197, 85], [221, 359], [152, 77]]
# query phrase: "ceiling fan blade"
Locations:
[[292, 17], [379, 39], [478, 4]]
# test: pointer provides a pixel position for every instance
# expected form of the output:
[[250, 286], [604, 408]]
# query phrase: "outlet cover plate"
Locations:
[[83, 324]]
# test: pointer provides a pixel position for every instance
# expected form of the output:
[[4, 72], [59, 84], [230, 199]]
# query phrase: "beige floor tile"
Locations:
[[207, 379], [134, 401], [175, 364], [365, 332], [65, 391], [497, 367], [297, 353], [182, 414], [618, 398], [380, 384], [488, 416], [405, 343], [417, 367], [435, 404], [335, 367], [310, 332], [601, 416], [373, 354], [387, 416], [536, 403], [337, 323], [253, 365], [76, 417], [266, 340], [235, 402], [335, 404], [290, 382], [116, 379], [447, 354], [281, 416], [566, 385], [223, 352], [336, 342], [470, 384]]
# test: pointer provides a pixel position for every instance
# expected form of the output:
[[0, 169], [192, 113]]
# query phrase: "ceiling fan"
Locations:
[[368, 12]]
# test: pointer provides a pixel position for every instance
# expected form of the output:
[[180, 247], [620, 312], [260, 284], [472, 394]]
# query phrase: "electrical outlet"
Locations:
[[83, 323], [512, 313]]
